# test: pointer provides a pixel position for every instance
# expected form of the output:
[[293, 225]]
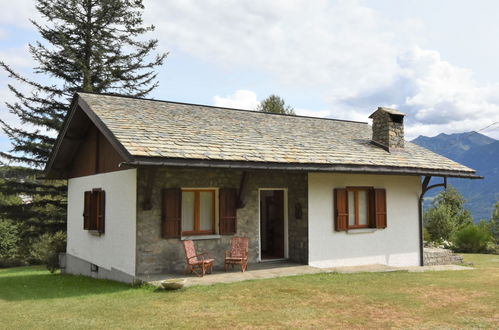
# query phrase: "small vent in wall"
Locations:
[[94, 268]]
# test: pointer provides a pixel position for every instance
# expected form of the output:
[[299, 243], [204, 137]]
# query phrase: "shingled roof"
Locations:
[[150, 132]]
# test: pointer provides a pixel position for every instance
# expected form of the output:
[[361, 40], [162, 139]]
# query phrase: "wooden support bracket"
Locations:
[[150, 178], [426, 181], [240, 191], [424, 188]]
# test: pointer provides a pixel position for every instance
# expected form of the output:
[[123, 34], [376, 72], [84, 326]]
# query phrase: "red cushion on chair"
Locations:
[[206, 261]]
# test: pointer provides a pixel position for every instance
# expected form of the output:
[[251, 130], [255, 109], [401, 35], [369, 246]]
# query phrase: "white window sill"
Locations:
[[199, 237], [361, 231]]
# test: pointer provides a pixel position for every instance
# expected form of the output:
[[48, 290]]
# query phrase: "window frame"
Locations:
[[197, 212], [369, 216], [95, 209]]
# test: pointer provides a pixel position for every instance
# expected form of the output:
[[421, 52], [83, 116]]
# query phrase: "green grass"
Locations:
[[31, 297]]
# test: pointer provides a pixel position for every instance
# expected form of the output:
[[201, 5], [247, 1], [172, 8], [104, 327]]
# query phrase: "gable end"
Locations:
[[85, 146]]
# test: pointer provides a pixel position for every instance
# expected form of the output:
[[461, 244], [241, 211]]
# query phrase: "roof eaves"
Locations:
[[342, 168]]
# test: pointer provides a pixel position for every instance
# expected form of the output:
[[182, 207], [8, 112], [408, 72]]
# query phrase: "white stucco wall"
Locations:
[[396, 245], [116, 247]]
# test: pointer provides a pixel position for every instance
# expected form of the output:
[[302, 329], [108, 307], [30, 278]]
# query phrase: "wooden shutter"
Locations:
[[340, 209], [380, 208], [100, 210], [172, 213], [228, 205], [92, 224], [87, 210]]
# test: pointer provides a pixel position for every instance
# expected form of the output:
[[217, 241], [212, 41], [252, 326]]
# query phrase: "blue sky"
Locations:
[[434, 60]]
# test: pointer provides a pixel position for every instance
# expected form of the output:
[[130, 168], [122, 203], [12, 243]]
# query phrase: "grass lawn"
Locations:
[[31, 297]]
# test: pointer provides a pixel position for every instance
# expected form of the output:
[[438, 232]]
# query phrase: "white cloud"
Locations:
[[358, 58], [241, 99], [312, 113], [18, 13], [444, 97], [17, 58], [3, 33], [247, 100], [355, 57], [446, 93], [343, 45], [436, 95]]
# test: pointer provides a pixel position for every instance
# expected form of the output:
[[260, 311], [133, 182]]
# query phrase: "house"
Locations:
[[143, 175]]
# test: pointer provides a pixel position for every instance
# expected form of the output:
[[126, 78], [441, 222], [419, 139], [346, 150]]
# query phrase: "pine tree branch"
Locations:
[[87, 45]]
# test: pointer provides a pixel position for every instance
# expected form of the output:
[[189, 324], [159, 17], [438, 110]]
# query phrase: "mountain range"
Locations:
[[474, 150]]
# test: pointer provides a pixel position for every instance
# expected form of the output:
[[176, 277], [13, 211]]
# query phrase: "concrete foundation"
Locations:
[[76, 266]]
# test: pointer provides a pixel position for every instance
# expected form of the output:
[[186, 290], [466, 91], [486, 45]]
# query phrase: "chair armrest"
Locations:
[[206, 254], [199, 257]]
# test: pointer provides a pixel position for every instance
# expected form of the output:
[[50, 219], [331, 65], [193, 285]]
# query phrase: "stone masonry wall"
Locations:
[[432, 257], [156, 255]]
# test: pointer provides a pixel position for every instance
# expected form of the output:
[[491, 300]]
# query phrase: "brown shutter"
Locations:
[[86, 210], [372, 208], [228, 205], [92, 224], [171, 217], [380, 207], [340, 209], [101, 210]]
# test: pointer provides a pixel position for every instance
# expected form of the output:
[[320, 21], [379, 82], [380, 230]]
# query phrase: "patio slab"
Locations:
[[255, 271], [279, 269]]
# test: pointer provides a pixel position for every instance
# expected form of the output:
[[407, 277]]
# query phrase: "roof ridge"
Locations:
[[224, 108]]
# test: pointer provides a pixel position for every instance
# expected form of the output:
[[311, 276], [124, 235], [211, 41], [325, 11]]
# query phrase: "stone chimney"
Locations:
[[388, 129]]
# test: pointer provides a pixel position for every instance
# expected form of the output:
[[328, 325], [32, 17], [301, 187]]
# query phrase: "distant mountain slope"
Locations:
[[479, 152], [453, 145]]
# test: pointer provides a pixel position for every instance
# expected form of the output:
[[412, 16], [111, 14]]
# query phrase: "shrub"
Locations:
[[494, 230], [472, 238], [494, 225], [447, 215], [439, 223], [47, 248], [10, 243], [426, 235]]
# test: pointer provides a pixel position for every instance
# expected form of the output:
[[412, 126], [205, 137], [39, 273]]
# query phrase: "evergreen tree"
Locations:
[[447, 215], [275, 104], [455, 201], [87, 45]]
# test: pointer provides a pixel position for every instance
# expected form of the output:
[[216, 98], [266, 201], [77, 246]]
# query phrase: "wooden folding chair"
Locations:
[[196, 263], [238, 254]]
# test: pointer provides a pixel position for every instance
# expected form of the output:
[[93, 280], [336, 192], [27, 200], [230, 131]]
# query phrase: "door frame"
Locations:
[[286, 241]]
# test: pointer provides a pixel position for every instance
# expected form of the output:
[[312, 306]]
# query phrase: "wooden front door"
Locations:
[[272, 224]]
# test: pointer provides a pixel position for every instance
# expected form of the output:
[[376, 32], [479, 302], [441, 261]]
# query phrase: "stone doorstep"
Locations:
[[288, 270]]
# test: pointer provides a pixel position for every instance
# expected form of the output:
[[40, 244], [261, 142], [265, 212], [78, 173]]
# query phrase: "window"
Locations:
[[198, 211], [359, 207], [192, 212], [94, 210]]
